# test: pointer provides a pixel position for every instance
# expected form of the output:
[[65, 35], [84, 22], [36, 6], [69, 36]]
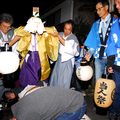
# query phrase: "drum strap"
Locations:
[[31, 89]]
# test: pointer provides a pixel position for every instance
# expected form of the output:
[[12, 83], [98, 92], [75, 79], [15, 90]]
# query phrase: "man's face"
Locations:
[[67, 29], [102, 11], [10, 96], [117, 2], [5, 27]]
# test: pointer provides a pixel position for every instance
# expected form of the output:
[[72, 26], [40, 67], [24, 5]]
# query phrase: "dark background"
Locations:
[[21, 10]]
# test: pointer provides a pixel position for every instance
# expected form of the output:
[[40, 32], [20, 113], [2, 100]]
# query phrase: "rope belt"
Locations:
[[103, 45]]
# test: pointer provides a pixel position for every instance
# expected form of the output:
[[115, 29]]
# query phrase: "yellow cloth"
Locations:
[[48, 46]]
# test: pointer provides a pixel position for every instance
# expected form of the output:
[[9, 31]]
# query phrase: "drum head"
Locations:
[[9, 62]]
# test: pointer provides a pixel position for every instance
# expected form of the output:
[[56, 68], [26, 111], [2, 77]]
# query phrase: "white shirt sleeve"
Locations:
[[14, 46], [71, 47], [70, 50]]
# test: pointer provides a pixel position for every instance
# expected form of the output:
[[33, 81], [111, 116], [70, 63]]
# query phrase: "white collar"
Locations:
[[66, 36], [104, 21]]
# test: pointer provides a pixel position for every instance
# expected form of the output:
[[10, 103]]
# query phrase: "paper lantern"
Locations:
[[9, 62], [104, 92], [84, 72]]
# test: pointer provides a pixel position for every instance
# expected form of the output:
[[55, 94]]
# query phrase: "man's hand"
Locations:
[[87, 57], [55, 33], [17, 38], [110, 70]]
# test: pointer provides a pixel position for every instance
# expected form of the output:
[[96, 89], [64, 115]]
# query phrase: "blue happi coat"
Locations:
[[93, 39], [113, 43]]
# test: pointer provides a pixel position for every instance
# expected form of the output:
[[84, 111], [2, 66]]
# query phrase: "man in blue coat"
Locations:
[[98, 36], [113, 64]]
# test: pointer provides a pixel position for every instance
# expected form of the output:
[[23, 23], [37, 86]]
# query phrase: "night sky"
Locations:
[[21, 10]]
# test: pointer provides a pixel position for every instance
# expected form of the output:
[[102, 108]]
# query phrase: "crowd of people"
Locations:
[[45, 95]]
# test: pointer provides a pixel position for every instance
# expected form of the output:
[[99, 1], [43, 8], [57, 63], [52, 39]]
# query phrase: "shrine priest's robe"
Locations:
[[35, 51]]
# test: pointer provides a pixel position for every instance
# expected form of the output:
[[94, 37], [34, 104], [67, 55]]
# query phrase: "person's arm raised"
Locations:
[[56, 34], [14, 40]]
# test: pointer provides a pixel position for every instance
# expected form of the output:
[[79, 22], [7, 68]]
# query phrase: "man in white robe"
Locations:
[[68, 49]]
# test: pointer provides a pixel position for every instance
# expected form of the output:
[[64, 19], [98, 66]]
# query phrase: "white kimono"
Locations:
[[69, 51], [63, 69]]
